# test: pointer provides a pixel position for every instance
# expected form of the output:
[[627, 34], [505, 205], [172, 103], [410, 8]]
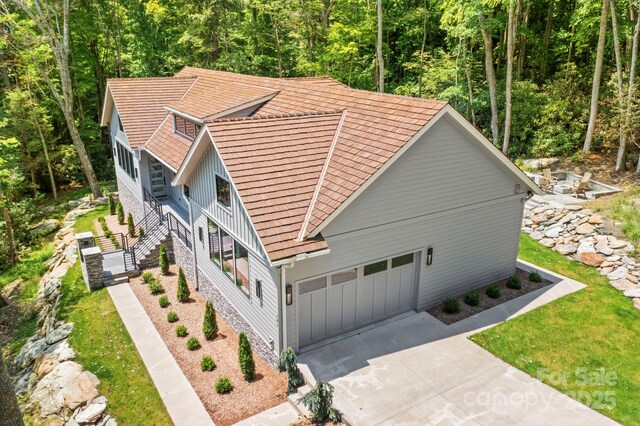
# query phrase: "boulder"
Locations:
[[12, 288], [44, 364], [633, 278], [614, 243], [590, 258], [59, 333], [622, 284], [596, 219], [606, 271], [565, 248], [632, 292], [66, 386], [585, 229], [548, 242], [62, 351], [45, 228], [34, 347], [603, 247], [92, 413], [618, 274], [636, 303], [586, 246], [536, 235], [538, 218], [553, 232]]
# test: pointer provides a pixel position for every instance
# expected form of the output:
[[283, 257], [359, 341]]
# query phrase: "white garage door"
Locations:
[[337, 303]]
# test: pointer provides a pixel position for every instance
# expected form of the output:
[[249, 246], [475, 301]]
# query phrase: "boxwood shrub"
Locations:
[[207, 363], [163, 301], [223, 385], [181, 331], [493, 291], [172, 317], [514, 282], [451, 305], [535, 277], [193, 344], [472, 298]]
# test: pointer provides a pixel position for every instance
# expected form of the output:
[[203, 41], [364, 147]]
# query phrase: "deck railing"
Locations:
[[179, 230]]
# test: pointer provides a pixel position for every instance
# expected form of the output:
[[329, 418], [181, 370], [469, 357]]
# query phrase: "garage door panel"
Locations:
[[393, 292], [348, 304], [318, 314], [334, 309], [364, 300], [407, 286], [379, 295], [304, 318]]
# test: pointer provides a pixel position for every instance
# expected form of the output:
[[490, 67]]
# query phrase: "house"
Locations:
[[306, 209]]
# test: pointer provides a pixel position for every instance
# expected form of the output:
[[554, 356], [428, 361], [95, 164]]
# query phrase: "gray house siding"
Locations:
[[445, 192]]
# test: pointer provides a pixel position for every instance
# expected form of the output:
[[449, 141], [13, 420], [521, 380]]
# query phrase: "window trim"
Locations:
[[233, 278], [227, 208], [182, 131], [126, 160]]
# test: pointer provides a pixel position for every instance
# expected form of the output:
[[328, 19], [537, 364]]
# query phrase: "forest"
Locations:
[[539, 78]]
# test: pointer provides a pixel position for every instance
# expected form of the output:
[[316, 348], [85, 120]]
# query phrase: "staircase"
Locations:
[[145, 253]]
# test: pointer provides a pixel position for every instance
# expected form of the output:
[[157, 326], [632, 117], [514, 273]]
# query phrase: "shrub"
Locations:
[[181, 331], [535, 277], [287, 362], [120, 212], [207, 363], [164, 260], [163, 301], [130, 225], [318, 401], [472, 298], [155, 287], [172, 317], [141, 232], [147, 277], [245, 357], [183, 289], [112, 205], [223, 385], [493, 291], [451, 305], [210, 324], [514, 282], [193, 344]]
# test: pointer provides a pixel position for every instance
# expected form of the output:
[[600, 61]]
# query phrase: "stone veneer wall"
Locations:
[[235, 320], [183, 258], [130, 202]]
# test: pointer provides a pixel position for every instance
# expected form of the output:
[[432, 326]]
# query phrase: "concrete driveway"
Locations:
[[416, 370]]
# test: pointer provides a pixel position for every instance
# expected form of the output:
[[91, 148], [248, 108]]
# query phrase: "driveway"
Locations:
[[416, 370]]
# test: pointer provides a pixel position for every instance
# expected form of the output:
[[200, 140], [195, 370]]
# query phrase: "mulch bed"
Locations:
[[486, 302], [267, 390]]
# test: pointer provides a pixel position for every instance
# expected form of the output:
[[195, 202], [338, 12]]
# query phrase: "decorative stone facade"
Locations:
[[183, 258], [92, 270], [235, 320], [130, 202]]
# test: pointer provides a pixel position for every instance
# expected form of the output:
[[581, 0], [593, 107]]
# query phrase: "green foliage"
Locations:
[[193, 344], [112, 205], [120, 212], [288, 362], [514, 282], [451, 305], [164, 260], [155, 287], [245, 357], [535, 277], [207, 363], [130, 225], [163, 301], [183, 291], [210, 323], [147, 277], [472, 298], [318, 401], [223, 385], [172, 316], [141, 232], [181, 331], [493, 291]]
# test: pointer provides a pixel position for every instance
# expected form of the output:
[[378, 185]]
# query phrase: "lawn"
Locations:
[[624, 208], [584, 344]]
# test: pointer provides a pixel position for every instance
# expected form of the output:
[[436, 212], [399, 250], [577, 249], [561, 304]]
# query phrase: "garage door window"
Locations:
[[374, 268], [343, 277], [313, 285], [402, 260]]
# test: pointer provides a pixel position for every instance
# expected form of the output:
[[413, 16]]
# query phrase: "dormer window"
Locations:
[[186, 128], [120, 127]]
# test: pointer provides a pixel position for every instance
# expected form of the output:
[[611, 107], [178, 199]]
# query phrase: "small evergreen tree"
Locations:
[[141, 232], [245, 356], [131, 225], [183, 289], [112, 205], [164, 260], [210, 324], [318, 401], [120, 211], [288, 362]]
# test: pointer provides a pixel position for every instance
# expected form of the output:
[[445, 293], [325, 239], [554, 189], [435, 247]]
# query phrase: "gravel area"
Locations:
[[246, 399], [486, 302]]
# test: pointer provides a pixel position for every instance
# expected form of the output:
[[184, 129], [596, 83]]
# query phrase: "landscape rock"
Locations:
[[614, 243], [602, 247], [618, 273], [12, 288], [548, 242], [92, 413], [553, 232], [596, 219], [632, 292], [566, 248], [45, 228], [30, 351], [537, 235], [636, 303], [59, 333], [66, 386], [585, 229], [591, 258], [44, 364], [622, 284]]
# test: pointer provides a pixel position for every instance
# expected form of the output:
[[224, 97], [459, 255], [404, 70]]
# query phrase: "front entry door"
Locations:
[[156, 177]]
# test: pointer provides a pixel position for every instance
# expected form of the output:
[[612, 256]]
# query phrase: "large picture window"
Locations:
[[223, 191], [125, 160], [230, 256]]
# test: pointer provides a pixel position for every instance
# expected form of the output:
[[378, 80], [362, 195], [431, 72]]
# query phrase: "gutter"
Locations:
[[299, 257]]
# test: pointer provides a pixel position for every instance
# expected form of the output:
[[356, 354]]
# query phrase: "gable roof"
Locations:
[[310, 147]]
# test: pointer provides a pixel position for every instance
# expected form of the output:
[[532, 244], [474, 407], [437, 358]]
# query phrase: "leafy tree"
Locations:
[[183, 291], [287, 361], [210, 323], [164, 260], [245, 357]]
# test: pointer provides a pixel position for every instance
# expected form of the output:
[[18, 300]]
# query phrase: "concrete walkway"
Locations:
[[280, 415], [416, 370], [182, 402]]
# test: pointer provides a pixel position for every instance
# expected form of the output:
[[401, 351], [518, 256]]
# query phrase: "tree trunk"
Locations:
[[511, 41], [469, 81], [13, 252], [523, 41], [547, 38], [617, 54], [276, 40], [379, 58], [597, 72], [9, 410], [52, 179], [621, 159], [424, 42], [491, 77]]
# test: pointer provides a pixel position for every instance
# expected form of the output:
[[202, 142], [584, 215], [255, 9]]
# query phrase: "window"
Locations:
[[259, 289], [187, 128], [200, 233], [179, 124], [241, 256], [125, 160], [374, 268], [227, 253], [185, 190], [402, 260], [223, 191], [343, 277], [230, 256], [214, 243], [120, 127]]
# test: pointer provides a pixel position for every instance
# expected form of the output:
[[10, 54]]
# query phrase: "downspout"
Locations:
[[283, 303], [193, 245]]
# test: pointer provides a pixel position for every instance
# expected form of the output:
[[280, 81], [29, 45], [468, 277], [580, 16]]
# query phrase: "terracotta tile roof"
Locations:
[[141, 102], [275, 163], [167, 145]]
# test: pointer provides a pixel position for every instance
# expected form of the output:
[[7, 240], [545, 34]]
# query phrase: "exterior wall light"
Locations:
[[429, 255], [289, 293]]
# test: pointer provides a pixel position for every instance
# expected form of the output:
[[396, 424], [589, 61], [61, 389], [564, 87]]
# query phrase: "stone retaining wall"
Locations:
[[130, 202]]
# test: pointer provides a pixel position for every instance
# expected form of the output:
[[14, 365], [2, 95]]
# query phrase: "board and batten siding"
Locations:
[[262, 315], [445, 192], [133, 185]]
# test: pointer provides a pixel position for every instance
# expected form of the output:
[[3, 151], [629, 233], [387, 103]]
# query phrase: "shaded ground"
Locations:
[[602, 167]]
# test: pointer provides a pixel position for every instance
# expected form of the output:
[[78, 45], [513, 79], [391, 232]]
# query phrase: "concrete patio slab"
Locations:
[[279, 415], [417, 370], [181, 401]]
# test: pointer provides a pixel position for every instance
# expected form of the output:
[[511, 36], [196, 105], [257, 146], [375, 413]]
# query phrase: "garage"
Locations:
[[346, 300]]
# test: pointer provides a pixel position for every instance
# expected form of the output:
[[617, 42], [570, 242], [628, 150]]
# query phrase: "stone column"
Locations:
[[85, 240], [92, 267]]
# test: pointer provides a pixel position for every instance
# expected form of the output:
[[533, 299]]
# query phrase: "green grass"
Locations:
[[594, 330], [86, 222], [624, 208], [77, 193]]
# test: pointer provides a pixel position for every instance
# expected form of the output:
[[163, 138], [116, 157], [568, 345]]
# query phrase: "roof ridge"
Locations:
[[170, 77], [323, 173], [277, 116]]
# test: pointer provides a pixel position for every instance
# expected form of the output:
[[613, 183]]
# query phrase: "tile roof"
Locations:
[[167, 145], [141, 102]]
